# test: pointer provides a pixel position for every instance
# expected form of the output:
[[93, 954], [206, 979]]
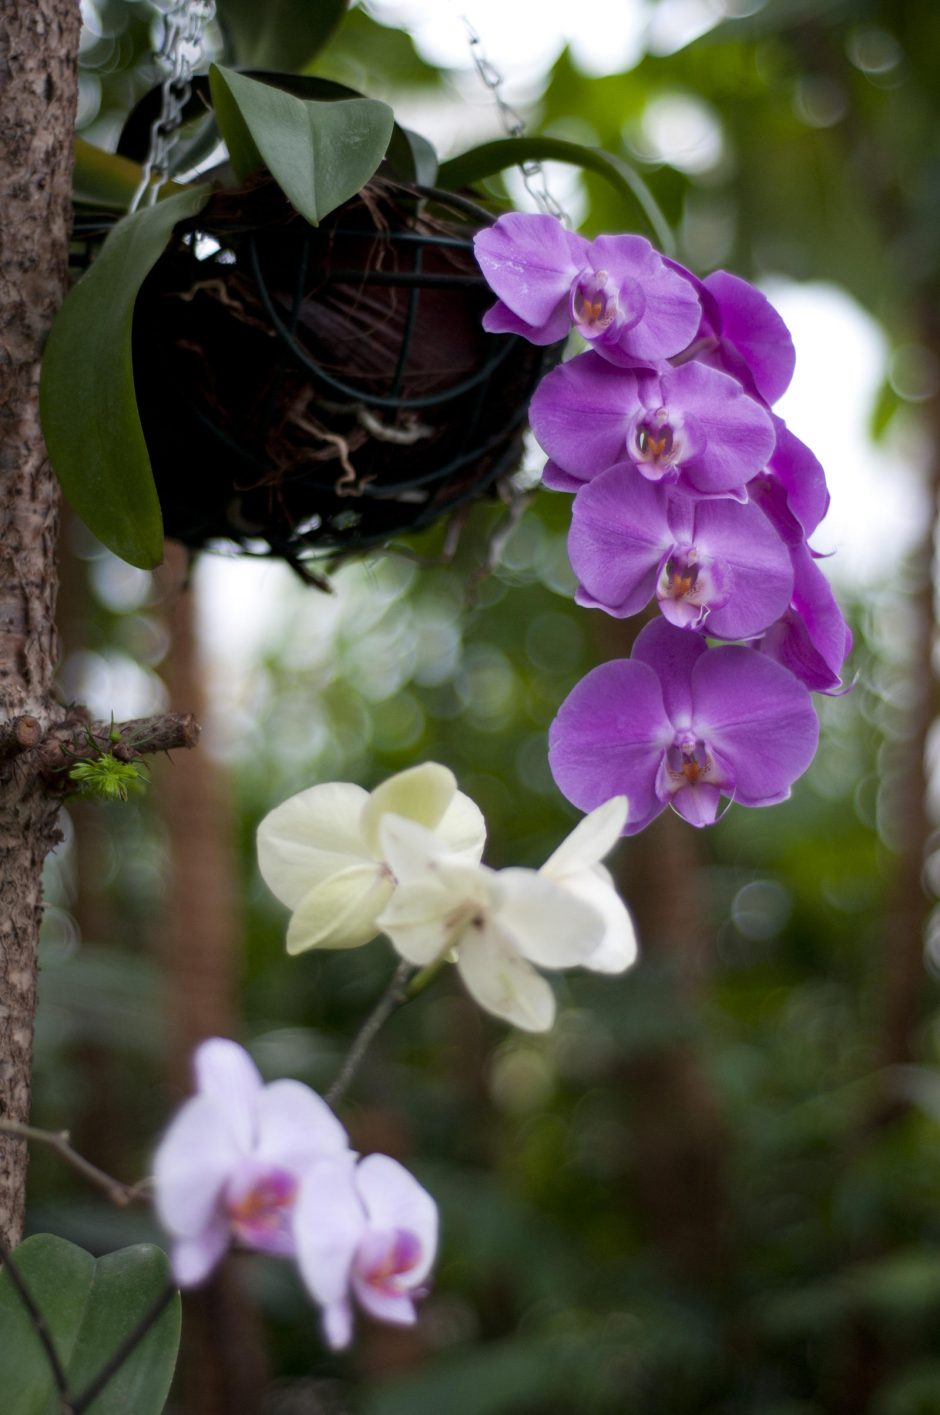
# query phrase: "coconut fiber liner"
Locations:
[[312, 391]]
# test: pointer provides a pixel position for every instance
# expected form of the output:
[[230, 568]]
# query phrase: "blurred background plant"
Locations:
[[715, 1186]]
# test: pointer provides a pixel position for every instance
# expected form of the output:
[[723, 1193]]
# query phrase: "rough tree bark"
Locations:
[[38, 85]]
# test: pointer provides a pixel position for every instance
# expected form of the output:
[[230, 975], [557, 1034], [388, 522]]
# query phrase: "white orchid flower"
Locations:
[[497, 924], [321, 854]]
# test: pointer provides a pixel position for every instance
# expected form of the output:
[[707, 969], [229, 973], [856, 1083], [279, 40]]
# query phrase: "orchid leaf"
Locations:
[[102, 179], [319, 153], [278, 34], [492, 157], [89, 1308], [87, 400], [413, 158]]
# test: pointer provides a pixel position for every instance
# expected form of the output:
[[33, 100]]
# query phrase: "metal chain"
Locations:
[[514, 124], [180, 52]]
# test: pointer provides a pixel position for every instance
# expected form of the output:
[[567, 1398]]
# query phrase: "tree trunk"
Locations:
[[38, 84]]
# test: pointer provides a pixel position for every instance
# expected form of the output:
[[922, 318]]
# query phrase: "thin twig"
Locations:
[[38, 1321], [80, 1403], [58, 1140], [395, 995]]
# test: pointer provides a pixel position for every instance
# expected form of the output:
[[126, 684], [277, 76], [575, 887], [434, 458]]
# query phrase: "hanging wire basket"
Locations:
[[311, 392]]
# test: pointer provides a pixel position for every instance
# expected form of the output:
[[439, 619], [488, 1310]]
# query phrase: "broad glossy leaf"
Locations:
[[319, 153], [87, 401], [413, 158], [278, 34], [493, 157], [90, 1307], [102, 179]]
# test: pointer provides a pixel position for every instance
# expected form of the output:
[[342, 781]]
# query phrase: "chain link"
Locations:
[[180, 52], [533, 173]]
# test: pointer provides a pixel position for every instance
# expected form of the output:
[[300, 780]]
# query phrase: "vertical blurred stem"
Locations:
[[222, 1363], [38, 86], [905, 979]]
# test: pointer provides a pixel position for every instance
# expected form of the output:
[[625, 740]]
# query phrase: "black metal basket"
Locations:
[[311, 392]]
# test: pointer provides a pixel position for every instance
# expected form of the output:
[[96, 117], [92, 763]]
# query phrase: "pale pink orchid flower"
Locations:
[[230, 1165], [367, 1232]]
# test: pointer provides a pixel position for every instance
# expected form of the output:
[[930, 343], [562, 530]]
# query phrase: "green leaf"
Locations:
[[320, 154], [413, 158], [90, 1307], [87, 402], [497, 156], [103, 179], [278, 34]]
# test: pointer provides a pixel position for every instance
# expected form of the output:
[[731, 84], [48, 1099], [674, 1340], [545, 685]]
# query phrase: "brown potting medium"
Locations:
[[308, 391]]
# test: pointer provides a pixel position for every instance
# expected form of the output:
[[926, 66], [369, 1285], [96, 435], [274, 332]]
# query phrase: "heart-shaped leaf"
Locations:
[[319, 153], [278, 34], [89, 1308], [87, 402], [492, 157]]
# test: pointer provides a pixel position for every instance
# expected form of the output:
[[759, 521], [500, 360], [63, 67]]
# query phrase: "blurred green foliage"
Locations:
[[711, 1190]]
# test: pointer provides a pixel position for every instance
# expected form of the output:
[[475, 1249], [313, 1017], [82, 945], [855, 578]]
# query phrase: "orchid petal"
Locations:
[[386, 1306], [502, 982], [191, 1167], [193, 1259], [226, 1075], [619, 533], [743, 541], [755, 332], [341, 911], [558, 480], [338, 1325], [500, 319], [548, 924], [309, 837], [672, 654], [422, 793], [462, 829], [329, 1222], [580, 413], [758, 717], [672, 311], [394, 1199], [609, 735], [618, 946], [738, 432], [296, 1126], [528, 261], [592, 838]]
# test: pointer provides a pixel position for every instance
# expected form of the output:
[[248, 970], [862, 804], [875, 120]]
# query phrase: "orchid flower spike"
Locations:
[[498, 924], [229, 1167], [321, 854]]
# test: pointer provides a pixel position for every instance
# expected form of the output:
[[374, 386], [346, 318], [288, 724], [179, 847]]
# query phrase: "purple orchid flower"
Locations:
[[617, 291], [692, 426], [680, 724], [742, 334], [714, 565], [368, 1232], [230, 1165], [811, 638]]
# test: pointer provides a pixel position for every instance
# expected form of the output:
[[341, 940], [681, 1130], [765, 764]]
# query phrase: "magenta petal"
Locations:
[[802, 478], [672, 311], [758, 717], [739, 436], [580, 414], [672, 655], [755, 333], [558, 480], [528, 262], [619, 533], [499, 319], [744, 542], [697, 804], [811, 638], [608, 739]]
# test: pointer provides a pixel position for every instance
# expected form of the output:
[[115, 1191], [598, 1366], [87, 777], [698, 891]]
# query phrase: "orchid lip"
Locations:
[[261, 1215]]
